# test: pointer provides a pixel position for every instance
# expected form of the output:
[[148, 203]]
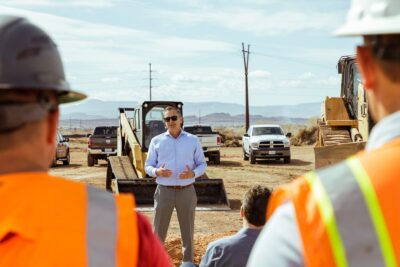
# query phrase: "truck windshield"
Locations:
[[198, 129], [105, 131], [267, 130]]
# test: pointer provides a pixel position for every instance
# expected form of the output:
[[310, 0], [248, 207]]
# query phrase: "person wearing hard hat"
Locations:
[[45, 220], [348, 214]]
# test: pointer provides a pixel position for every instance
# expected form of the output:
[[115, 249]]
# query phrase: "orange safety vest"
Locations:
[[48, 221], [349, 214]]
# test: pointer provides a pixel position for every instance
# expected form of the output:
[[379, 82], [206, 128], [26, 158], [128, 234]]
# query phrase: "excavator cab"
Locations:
[[345, 122], [126, 173]]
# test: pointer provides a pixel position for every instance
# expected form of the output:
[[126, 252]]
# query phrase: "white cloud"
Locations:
[[307, 76], [261, 22], [110, 79], [259, 74], [111, 62], [59, 3]]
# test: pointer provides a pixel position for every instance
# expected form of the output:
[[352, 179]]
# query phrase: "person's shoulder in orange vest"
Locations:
[[46, 218]]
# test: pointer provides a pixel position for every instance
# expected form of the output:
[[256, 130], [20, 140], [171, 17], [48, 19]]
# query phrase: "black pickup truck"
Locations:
[[101, 144]]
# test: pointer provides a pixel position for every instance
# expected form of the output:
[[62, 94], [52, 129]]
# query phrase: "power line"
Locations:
[[292, 60]]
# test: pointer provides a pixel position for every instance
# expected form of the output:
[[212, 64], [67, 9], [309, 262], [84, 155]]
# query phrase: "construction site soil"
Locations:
[[238, 176]]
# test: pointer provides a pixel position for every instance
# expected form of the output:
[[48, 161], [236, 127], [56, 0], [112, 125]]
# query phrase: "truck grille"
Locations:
[[271, 144]]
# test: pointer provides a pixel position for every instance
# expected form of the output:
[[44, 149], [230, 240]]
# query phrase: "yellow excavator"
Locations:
[[345, 122], [126, 173]]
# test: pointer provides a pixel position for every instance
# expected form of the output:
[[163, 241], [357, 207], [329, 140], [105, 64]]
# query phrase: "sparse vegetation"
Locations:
[[305, 136], [231, 137]]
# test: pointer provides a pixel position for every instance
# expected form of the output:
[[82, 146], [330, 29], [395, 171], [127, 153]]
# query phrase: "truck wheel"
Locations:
[[245, 157], [252, 158], [286, 160], [217, 159], [90, 160], [67, 161]]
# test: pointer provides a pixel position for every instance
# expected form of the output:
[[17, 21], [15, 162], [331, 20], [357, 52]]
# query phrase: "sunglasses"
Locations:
[[173, 118]]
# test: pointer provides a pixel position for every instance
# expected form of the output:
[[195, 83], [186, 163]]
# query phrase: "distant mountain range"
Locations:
[[92, 112], [98, 109]]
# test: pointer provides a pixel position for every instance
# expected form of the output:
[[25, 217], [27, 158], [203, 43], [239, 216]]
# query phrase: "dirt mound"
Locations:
[[173, 245]]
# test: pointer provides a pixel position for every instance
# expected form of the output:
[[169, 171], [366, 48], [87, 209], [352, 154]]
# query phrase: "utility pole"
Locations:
[[246, 67], [150, 79]]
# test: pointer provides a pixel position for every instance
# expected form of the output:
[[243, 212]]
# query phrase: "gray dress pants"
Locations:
[[184, 200]]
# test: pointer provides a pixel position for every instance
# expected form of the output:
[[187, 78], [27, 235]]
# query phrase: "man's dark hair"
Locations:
[[386, 50], [255, 203]]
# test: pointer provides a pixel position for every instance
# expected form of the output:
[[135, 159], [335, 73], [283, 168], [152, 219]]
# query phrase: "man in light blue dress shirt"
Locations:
[[176, 158]]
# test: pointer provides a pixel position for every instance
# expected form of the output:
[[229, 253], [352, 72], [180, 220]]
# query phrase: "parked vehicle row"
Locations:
[[260, 142]]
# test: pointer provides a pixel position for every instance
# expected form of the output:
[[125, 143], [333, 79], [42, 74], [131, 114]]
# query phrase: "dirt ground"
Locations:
[[238, 176]]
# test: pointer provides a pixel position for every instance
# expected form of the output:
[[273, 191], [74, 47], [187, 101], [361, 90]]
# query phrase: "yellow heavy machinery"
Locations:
[[345, 123], [126, 173]]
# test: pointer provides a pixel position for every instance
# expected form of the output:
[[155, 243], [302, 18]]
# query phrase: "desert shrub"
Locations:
[[305, 136], [231, 137]]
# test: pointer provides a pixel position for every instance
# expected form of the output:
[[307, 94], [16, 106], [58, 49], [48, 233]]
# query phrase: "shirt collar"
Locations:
[[249, 231], [180, 134], [384, 131]]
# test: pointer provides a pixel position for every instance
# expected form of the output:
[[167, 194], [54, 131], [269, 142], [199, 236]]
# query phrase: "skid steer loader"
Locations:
[[345, 122], [126, 173]]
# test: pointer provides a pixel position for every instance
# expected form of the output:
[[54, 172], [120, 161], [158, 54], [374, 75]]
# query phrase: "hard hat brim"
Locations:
[[370, 26], [70, 97], [65, 94]]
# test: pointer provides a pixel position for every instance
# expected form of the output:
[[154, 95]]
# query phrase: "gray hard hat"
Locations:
[[29, 59]]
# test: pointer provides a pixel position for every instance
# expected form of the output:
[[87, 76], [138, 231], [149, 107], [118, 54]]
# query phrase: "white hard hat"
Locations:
[[372, 17]]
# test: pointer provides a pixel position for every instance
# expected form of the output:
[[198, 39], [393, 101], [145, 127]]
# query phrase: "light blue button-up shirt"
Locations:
[[175, 153]]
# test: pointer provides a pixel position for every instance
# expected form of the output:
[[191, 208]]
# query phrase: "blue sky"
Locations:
[[195, 47]]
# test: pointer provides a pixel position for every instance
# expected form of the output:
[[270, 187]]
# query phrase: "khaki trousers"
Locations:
[[184, 201]]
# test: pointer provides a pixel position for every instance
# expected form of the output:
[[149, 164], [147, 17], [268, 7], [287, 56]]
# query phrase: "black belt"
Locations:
[[177, 186]]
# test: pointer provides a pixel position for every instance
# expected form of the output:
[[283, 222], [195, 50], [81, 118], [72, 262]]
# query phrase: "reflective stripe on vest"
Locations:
[[355, 225], [101, 229]]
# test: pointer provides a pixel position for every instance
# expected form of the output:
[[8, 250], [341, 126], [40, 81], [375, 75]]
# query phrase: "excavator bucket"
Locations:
[[122, 178]]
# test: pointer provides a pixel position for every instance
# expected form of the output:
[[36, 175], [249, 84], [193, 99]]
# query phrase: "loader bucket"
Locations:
[[122, 178], [211, 193]]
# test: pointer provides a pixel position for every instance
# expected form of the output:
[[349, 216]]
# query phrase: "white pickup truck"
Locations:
[[266, 141], [210, 141]]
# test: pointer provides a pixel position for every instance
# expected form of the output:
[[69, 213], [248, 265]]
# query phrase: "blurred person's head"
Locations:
[[378, 58], [32, 85], [254, 206]]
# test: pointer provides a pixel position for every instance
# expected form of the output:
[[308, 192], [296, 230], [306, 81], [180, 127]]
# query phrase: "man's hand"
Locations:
[[186, 174], [163, 172]]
